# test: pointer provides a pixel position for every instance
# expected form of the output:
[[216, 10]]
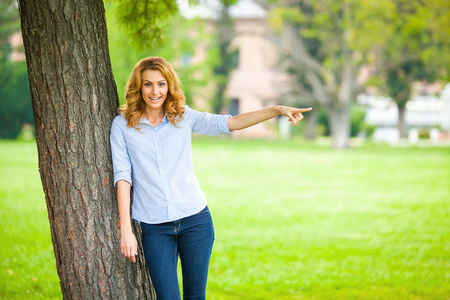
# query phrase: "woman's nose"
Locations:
[[154, 91]]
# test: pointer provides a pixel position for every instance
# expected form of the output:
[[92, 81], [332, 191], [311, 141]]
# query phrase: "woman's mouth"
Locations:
[[155, 99]]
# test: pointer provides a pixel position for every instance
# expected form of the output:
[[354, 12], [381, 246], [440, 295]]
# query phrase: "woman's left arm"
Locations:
[[245, 120]]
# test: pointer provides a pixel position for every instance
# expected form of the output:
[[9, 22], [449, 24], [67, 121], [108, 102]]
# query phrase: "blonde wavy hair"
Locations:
[[134, 107]]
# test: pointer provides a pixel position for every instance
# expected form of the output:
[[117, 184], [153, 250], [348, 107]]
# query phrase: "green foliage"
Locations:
[[318, 46], [424, 133], [323, 123], [357, 115], [15, 99], [329, 41], [367, 129], [144, 20], [9, 23], [414, 44], [299, 221], [281, 14], [358, 125]]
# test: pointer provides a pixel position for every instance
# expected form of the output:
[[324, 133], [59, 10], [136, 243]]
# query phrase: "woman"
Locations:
[[151, 150]]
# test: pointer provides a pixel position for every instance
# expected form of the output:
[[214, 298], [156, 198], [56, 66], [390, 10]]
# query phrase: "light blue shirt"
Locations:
[[157, 162]]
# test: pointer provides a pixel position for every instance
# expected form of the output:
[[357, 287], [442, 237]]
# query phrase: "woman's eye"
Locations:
[[147, 84], [162, 84]]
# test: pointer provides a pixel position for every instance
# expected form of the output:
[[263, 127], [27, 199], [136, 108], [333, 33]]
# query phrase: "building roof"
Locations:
[[209, 9]]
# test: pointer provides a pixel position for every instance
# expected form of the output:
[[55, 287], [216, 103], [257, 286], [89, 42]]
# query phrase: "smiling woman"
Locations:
[[151, 150]]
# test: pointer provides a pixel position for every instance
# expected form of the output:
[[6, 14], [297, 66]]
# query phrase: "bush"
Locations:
[[424, 133], [357, 115], [367, 129], [15, 99]]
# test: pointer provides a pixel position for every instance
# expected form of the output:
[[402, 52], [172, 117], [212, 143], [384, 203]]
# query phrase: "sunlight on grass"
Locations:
[[292, 221]]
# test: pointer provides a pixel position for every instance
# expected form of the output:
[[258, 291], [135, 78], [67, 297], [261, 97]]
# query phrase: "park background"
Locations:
[[294, 218]]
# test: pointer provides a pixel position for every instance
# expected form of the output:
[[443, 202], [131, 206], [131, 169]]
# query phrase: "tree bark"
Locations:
[[310, 126], [74, 100], [340, 125], [399, 84], [401, 125]]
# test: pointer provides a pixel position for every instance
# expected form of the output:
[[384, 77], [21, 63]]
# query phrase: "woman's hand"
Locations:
[[128, 245], [294, 114]]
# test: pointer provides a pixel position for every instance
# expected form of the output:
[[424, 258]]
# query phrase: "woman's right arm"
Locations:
[[128, 243]]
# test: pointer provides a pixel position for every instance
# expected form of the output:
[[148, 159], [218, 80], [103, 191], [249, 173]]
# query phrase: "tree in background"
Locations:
[[15, 100], [300, 91], [225, 33], [414, 47], [328, 43], [318, 37]]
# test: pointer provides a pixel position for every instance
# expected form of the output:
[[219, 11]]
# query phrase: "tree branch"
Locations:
[[301, 55]]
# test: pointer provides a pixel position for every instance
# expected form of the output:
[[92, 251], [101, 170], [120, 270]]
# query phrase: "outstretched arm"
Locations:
[[245, 120]]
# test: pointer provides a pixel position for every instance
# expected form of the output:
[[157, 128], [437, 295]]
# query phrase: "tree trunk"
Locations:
[[340, 125], [225, 33], [74, 100], [310, 126], [401, 125]]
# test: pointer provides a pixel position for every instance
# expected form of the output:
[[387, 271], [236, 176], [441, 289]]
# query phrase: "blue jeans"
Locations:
[[192, 238]]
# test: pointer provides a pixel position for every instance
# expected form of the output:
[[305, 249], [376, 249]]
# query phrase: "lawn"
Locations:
[[293, 220]]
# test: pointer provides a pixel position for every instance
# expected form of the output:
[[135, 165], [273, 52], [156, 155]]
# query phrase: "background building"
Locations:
[[427, 116]]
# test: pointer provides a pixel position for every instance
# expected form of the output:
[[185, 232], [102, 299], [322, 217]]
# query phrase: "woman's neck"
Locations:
[[153, 116]]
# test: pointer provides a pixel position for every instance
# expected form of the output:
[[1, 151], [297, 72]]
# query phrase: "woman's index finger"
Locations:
[[304, 109]]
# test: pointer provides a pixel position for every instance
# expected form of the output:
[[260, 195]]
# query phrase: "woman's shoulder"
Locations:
[[190, 111], [119, 118], [119, 121], [187, 108], [187, 111]]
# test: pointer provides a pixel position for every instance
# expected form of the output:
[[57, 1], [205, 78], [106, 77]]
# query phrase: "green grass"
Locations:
[[293, 220], [27, 263]]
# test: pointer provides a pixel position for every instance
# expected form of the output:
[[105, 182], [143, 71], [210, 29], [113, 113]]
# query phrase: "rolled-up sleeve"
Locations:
[[207, 123], [120, 157]]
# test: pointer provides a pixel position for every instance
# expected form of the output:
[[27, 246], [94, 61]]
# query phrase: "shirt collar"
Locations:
[[163, 121]]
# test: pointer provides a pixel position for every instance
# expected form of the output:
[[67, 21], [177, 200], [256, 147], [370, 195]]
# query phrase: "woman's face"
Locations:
[[154, 89]]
